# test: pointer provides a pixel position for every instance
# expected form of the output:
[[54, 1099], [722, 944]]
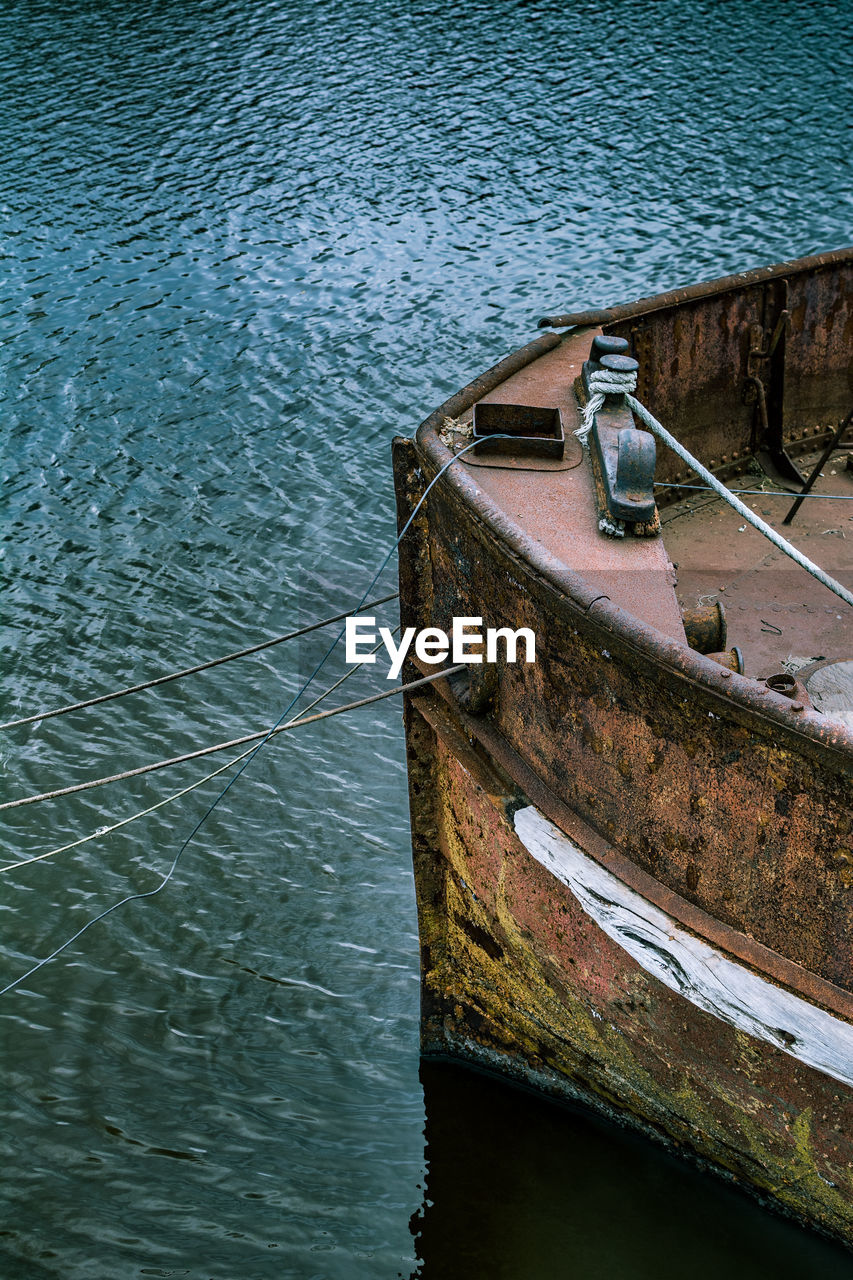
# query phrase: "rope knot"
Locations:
[[604, 382]]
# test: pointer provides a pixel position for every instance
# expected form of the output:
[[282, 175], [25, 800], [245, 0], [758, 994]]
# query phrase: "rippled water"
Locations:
[[244, 244]]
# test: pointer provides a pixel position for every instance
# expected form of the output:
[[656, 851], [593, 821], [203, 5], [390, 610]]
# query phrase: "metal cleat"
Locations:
[[623, 456]]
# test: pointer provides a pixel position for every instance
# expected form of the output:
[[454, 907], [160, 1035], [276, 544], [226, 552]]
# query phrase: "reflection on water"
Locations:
[[520, 1187], [243, 245]]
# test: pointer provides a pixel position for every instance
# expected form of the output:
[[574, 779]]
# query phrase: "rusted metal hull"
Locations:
[[715, 809], [518, 978]]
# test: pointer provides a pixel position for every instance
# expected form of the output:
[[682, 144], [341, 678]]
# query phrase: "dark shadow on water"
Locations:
[[520, 1188]]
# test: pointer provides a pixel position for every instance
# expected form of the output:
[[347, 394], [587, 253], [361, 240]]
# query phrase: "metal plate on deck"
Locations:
[[519, 430]]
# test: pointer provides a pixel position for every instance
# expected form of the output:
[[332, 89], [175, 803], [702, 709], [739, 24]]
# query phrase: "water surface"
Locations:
[[243, 246]]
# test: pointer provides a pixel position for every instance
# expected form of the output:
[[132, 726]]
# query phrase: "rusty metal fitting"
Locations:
[[732, 659], [790, 687], [705, 627], [483, 686], [476, 689]]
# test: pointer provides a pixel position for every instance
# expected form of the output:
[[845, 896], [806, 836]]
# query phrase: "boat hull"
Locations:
[[519, 977], [714, 786], [633, 863]]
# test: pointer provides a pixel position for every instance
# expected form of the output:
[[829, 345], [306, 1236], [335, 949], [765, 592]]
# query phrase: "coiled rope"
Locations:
[[614, 383], [604, 382], [189, 671]]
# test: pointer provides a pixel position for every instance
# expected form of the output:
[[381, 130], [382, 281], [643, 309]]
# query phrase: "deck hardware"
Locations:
[[790, 687], [607, 344], [705, 627], [781, 327], [536, 431], [483, 689], [819, 465], [476, 689], [623, 456], [731, 659], [774, 457], [765, 382]]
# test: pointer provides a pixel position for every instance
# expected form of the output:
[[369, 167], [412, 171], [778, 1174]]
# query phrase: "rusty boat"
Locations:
[[634, 855]]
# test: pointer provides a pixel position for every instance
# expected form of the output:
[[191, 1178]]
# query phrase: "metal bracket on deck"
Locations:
[[623, 456], [764, 384]]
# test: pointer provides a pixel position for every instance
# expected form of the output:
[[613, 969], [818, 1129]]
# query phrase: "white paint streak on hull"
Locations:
[[684, 963]]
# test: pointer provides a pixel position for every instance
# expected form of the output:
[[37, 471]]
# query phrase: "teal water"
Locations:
[[243, 246]]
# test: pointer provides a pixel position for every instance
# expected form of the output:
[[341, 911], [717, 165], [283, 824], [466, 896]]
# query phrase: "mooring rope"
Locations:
[[261, 736], [614, 383], [116, 826], [176, 795], [202, 751], [759, 493], [320, 715], [190, 671], [249, 756]]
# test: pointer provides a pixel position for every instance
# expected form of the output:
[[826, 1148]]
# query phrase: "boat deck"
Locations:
[[555, 503], [777, 615]]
